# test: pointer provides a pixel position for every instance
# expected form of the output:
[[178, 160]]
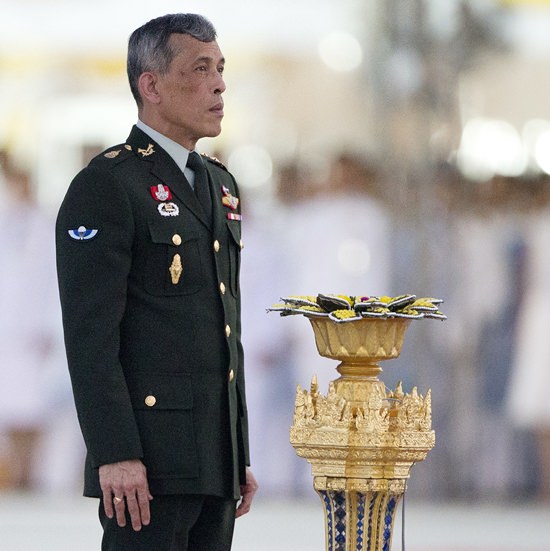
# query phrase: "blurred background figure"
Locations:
[[35, 392], [528, 399], [337, 240], [26, 328], [268, 346]]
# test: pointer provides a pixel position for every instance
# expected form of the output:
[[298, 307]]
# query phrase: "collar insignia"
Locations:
[[161, 193], [146, 152]]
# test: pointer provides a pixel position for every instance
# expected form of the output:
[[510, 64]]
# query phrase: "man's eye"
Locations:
[[220, 70]]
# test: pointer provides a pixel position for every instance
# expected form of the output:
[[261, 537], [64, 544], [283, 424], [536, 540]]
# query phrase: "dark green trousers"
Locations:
[[178, 523]]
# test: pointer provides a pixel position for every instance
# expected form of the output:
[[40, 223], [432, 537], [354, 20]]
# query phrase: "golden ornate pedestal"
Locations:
[[360, 439]]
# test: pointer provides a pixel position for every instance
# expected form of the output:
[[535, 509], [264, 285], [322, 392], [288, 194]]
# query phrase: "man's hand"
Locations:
[[247, 492], [124, 484]]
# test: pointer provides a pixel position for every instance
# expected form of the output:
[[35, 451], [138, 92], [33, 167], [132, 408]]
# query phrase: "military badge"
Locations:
[[229, 200], [168, 209], [146, 152], [234, 216], [112, 154], [176, 269], [161, 193], [82, 233]]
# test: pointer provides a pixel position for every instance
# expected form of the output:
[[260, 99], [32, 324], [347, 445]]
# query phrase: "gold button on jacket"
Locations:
[[150, 401]]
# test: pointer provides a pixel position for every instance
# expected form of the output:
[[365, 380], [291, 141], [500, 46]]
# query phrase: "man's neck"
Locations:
[[164, 129]]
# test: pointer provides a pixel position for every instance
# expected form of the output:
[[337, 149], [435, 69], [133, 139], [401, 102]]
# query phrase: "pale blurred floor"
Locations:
[[29, 523]]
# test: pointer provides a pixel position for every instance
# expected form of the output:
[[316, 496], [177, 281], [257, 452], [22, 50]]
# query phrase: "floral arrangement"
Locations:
[[345, 308]]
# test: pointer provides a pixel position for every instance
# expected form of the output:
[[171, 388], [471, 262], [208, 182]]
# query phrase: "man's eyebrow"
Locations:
[[208, 59]]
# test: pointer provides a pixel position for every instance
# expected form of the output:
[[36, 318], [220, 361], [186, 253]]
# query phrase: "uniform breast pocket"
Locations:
[[163, 408], [235, 245], [173, 261]]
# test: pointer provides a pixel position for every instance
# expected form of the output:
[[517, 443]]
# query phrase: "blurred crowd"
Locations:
[[480, 246], [347, 228]]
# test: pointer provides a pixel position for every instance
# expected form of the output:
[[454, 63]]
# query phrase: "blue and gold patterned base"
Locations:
[[356, 521]]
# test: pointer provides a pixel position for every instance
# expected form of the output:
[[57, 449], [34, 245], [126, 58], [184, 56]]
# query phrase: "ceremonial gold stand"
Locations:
[[360, 439]]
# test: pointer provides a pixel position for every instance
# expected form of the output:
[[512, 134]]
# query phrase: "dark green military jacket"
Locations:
[[151, 314]]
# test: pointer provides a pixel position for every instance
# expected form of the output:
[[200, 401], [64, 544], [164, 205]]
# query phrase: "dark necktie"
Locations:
[[202, 191]]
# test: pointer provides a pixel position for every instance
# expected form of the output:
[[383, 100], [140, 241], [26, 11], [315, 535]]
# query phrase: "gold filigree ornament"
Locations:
[[176, 269], [361, 439]]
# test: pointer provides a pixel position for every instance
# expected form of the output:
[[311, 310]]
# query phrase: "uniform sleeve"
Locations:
[[94, 234]]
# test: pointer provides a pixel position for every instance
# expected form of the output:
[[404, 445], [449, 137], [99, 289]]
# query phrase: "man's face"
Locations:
[[191, 104]]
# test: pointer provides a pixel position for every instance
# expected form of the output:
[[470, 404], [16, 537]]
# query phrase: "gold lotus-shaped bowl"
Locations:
[[369, 340]]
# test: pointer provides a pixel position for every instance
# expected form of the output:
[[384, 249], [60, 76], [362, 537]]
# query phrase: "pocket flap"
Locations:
[[161, 391], [235, 231], [165, 233]]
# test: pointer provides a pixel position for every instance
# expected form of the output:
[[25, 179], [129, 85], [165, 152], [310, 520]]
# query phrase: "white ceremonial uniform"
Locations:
[[528, 402]]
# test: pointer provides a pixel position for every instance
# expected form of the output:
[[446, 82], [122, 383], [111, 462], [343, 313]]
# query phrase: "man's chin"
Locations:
[[212, 131], [215, 131]]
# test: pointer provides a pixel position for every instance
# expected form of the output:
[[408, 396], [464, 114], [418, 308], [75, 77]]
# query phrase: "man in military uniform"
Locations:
[[148, 249]]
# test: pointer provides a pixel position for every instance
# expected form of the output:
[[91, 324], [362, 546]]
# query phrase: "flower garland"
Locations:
[[346, 308]]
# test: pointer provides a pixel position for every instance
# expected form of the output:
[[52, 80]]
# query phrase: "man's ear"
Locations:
[[147, 84]]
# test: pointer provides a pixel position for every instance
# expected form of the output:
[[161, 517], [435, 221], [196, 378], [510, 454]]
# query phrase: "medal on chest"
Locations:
[[168, 209], [229, 200], [161, 193]]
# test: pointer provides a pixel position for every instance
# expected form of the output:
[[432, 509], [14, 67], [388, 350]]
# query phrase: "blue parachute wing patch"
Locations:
[[82, 233]]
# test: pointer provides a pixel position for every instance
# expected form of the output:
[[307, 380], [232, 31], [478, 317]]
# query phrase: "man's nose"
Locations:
[[220, 85]]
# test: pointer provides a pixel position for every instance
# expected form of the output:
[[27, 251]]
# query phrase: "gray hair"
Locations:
[[149, 46]]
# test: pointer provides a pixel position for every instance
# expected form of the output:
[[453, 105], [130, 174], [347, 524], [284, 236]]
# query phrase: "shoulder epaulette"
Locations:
[[213, 160], [115, 153]]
